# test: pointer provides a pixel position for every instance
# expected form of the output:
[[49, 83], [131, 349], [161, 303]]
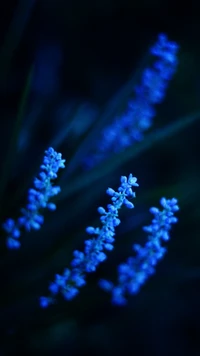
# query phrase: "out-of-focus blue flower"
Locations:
[[128, 128], [38, 198], [12, 229], [103, 238], [136, 270]]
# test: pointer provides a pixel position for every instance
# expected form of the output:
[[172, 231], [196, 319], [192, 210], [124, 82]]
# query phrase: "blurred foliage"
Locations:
[[101, 52]]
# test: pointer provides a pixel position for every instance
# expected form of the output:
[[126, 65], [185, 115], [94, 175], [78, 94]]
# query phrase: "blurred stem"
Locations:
[[116, 160], [13, 36], [12, 149], [64, 131]]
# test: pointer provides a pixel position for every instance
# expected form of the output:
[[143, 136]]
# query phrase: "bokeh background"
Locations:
[[67, 68]]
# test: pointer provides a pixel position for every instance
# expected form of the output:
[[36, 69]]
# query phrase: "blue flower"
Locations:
[[136, 270], [128, 128], [13, 232], [103, 238], [38, 198]]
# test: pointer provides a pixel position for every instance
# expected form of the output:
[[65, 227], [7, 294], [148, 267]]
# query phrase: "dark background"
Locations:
[[94, 50]]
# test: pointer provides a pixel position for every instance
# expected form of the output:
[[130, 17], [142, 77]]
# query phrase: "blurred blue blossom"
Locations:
[[38, 197], [136, 270], [128, 128], [87, 261]]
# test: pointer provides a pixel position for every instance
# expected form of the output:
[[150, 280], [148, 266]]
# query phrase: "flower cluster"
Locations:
[[103, 238], [127, 129], [136, 270], [38, 197]]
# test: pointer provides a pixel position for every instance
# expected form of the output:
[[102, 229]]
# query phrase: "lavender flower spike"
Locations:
[[136, 270], [129, 127], [38, 198], [69, 283]]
